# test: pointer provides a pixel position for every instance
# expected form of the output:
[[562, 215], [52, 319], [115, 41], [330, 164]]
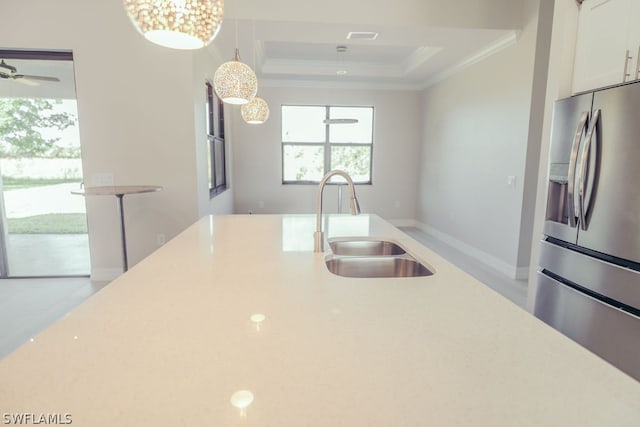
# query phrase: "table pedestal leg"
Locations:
[[125, 263]]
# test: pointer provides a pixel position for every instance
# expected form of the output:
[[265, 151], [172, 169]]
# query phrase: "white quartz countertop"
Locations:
[[169, 342]]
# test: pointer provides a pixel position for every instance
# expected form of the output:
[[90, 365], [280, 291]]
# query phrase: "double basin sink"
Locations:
[[372, 258]]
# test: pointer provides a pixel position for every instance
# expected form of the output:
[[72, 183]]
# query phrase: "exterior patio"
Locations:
[[45, 253], [48, 255]]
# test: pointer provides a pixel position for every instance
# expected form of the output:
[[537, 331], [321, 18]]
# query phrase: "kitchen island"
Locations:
[[242, 303]]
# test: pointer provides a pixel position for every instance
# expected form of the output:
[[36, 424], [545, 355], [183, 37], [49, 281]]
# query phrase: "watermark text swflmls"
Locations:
[[31, 418]]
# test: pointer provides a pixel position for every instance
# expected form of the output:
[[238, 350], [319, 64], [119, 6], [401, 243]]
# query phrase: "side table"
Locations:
[[119, 191]]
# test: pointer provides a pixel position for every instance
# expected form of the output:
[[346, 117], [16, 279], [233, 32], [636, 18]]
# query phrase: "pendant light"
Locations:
[[178, 24], [234, 81], [341, 50], [256, 111]]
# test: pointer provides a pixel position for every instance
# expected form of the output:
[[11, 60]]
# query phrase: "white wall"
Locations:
[[560, 72], [536, 118], [257, 162], [476, 133], [136, 106]]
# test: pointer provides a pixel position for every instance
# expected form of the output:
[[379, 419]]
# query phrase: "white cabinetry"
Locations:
[[608, 44]]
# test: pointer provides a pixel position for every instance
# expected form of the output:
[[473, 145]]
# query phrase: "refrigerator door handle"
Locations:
[[591, 133], [580, 131]]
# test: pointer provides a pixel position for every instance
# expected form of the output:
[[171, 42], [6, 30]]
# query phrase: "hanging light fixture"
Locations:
[[234, 81], [255, 112], [178, 24], [341, 51]]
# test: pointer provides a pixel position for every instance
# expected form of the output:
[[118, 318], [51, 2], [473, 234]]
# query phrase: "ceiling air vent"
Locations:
[[362, 35]]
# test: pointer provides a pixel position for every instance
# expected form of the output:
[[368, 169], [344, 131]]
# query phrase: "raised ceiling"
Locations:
[[289, 42], [418, 42]]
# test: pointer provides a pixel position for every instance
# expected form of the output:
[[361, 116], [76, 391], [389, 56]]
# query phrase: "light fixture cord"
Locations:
[[237, 18], [253, 41], [236, 33]]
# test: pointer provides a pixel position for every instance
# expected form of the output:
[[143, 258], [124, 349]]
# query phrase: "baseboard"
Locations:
[[522, 273], [404, 223], [105, 274], [507, 269]]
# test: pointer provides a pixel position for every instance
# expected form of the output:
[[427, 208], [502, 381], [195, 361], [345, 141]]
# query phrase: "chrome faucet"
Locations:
[[318, 236]]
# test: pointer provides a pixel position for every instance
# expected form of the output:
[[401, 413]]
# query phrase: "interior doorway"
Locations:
[[43, 227]]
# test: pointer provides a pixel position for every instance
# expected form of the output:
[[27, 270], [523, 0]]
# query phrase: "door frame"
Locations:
[[47, 55]]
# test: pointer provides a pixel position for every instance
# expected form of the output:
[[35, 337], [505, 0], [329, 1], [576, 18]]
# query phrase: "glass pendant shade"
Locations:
[[235, 82], [178, 24], [255, 111]]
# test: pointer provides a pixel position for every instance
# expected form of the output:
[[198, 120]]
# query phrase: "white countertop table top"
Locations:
[[117, 190], [169, 342]]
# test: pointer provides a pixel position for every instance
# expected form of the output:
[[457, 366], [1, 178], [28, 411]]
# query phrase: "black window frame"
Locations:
[[216, 142]]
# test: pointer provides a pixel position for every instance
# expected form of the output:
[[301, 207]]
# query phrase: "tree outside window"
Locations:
[[26, 126], [317, 139]]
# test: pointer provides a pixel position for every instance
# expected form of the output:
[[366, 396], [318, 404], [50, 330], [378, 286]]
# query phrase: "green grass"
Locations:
[[74, 223], [9, 183]]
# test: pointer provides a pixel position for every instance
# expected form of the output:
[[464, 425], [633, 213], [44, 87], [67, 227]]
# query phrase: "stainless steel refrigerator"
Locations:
[[589, 272]]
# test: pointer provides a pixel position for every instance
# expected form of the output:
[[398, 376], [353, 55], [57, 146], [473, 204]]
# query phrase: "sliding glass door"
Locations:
[[43, 226]]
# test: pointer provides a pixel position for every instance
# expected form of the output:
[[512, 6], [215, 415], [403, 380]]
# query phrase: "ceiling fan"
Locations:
[[9, 72]]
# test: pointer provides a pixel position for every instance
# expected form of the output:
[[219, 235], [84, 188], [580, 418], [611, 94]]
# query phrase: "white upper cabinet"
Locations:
[[608, 44]]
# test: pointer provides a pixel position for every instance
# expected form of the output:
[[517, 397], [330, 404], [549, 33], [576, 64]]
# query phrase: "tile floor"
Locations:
[[514, 290], [28, 306]]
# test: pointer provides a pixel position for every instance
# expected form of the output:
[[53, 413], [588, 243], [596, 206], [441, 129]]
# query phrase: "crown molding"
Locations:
[[421, 55], [501, 43], [332, 84]]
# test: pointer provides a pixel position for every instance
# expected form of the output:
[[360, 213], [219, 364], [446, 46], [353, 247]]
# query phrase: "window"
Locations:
[[215, 138], [317, 139]]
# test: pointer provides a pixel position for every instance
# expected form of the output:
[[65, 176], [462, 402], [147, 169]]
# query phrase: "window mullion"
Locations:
[[349, 156], [327, 145]]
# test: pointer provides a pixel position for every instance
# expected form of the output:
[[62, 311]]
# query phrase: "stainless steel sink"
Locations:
[[365, 247], [361, 257], [376, 266]]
